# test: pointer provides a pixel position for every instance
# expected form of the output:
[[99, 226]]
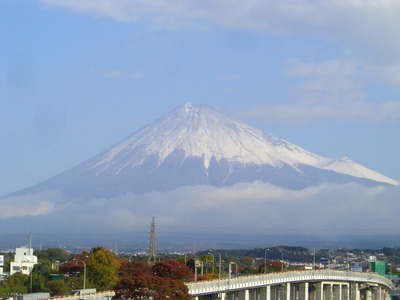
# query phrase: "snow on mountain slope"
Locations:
[[349, 167], [199, 145], [205, 132], [200, 131]]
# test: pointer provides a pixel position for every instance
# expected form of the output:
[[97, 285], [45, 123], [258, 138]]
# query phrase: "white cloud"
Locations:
[[240, 210], [29, 205], [355, 22]]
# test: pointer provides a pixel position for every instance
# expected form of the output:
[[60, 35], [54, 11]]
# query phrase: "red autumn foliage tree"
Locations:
[[135, 281], [164, 280], [172, 269]]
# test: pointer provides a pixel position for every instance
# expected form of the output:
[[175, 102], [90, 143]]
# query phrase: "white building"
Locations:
[[24, 260]]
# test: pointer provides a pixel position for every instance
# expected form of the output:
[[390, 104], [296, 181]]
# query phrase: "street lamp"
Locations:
[[265, 261], [84, 273], [313, 265], [230, 268], [197, 264], [213, 262], [185, 255], [282, 258], [219, 267]]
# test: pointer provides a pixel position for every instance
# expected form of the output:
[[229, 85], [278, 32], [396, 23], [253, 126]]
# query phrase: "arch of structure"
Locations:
[[296, 285]]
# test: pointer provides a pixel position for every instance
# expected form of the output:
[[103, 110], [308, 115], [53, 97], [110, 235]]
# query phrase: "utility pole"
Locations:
[[152, 244]]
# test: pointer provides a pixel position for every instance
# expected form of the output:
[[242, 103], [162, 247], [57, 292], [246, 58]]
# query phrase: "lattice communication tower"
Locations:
[[152, 244]]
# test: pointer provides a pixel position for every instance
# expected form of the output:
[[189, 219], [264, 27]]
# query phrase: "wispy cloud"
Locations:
[[363, 32], [350, 21], [330, 90]]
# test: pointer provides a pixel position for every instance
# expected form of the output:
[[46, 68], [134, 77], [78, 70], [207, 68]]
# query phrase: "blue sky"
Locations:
[[78, 76]]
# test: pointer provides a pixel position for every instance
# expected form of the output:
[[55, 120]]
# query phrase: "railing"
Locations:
[[225, 284], [107, 295]]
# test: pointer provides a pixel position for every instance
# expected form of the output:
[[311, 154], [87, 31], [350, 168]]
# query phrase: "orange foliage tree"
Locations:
[[164, 280]]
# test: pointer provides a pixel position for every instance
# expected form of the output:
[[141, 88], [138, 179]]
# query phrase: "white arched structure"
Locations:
[[296, 285]]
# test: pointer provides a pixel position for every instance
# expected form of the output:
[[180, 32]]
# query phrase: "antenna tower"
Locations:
[[152, 244], [29, 241]]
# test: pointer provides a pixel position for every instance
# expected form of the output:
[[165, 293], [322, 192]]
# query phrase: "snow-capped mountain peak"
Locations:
[[205, 132], [200, 145]]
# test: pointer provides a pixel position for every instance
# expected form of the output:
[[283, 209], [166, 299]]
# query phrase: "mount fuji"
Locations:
[[200, 145]]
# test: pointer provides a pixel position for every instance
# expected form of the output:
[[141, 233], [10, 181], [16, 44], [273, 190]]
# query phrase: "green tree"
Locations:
[[53, 254], [74, 271], [40, 275], [17, 283], [75, 283], [102, 268], [57, 287]]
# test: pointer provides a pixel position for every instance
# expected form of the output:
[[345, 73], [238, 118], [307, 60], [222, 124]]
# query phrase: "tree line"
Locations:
[[58, 272]]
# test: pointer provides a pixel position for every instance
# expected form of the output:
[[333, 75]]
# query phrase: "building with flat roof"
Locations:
[[24, 260], [378, 267]]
